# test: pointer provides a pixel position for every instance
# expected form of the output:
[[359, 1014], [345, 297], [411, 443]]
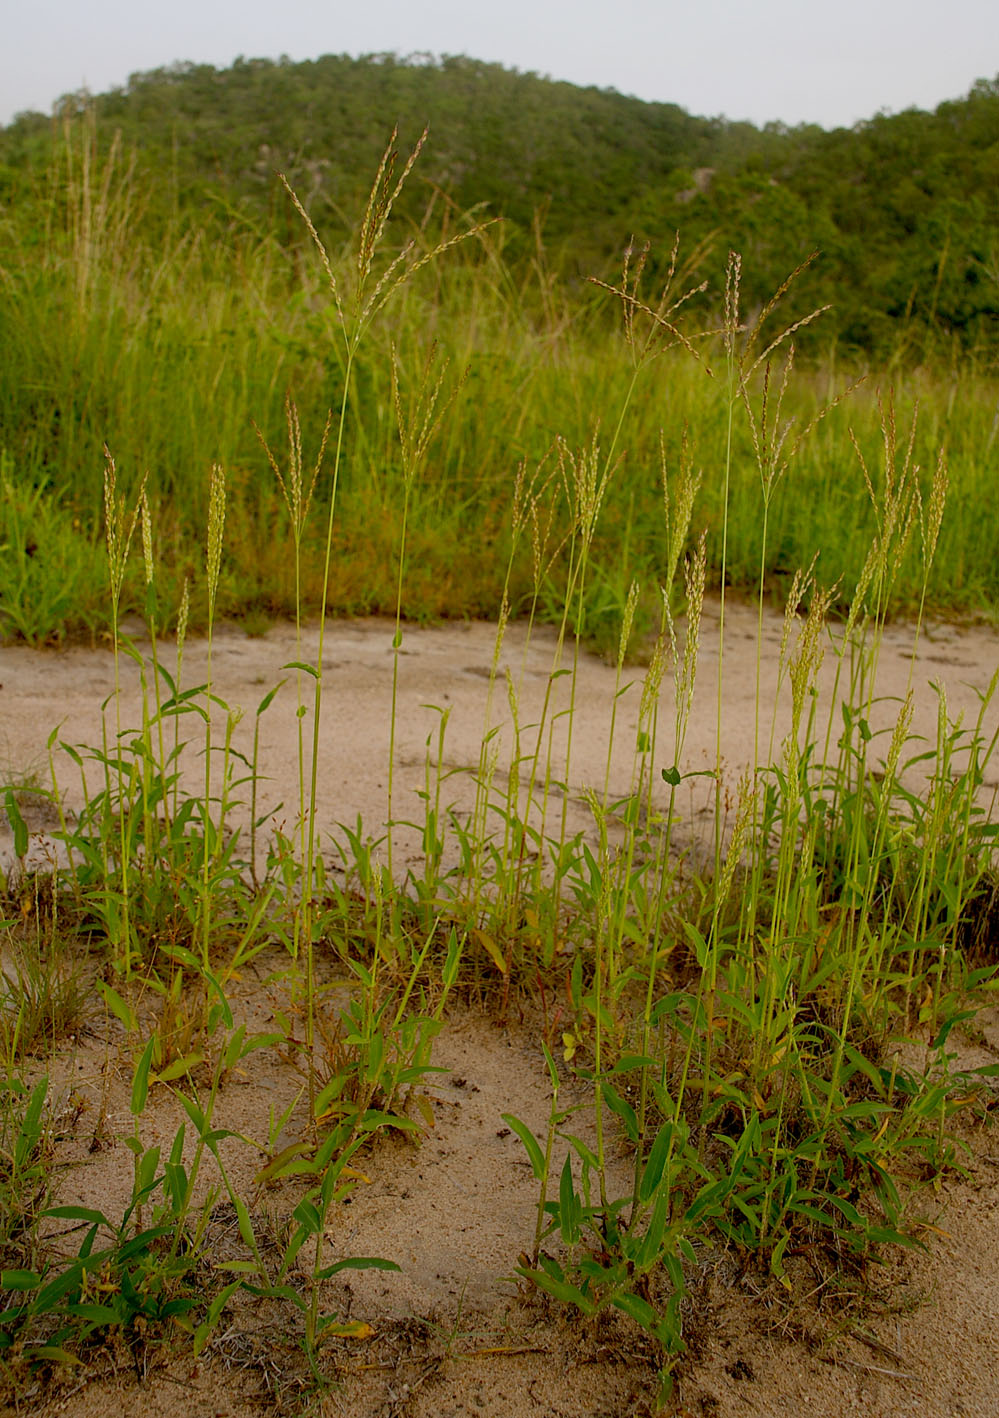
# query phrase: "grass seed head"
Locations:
[[733, 279], [677, 513], [800, 582], [694, 577], [147, 537], [182, 615], [805, 665], [119, 526], [216, 524], [654, 675], [627, 620], [929, 529], [899, 738], [323, 254], [745, 814]]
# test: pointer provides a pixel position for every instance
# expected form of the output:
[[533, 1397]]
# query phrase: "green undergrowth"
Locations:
[[764, 1023]]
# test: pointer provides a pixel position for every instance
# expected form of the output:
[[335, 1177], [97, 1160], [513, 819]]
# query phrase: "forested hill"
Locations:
[[903, 208]]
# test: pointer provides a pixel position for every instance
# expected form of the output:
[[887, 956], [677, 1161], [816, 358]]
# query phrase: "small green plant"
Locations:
[[45, 998], [25, 1152]]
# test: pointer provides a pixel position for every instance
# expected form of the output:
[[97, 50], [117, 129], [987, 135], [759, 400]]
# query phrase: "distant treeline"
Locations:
[[903, 209]]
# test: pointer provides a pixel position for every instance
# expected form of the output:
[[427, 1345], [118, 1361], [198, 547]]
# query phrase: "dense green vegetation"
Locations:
[[904, 207], [162, 298]]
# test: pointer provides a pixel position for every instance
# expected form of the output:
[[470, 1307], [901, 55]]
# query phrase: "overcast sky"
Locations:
[[794, 60]]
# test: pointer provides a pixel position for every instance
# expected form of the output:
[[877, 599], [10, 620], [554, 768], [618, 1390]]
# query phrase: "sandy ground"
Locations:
[[453, 1335]]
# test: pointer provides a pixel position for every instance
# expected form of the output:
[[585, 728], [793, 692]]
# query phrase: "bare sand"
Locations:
[[452, 1334]]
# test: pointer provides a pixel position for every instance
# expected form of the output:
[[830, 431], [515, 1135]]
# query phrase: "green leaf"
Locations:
[[534, 1152], [96, 1314], [307, 1215], [140, 1083], [234, 1048], [193, 1111], [280, 1292], [147, 1169], [17, 823], [178, 1068], [699, 944], [203, 1331], [268, 698], [245, 1224], [281, 1164], [357, 1263], [373, 1119], [54, 1354], [551, 1066], [19, 1280], [122, 1011], [627, 1063], [570, 1207], [79, 1213], [637, 1309], [623, 1109], [559, 1289], [451, 964], [868, 1069], [648, 1251], [655, 1164], [948, 1025]]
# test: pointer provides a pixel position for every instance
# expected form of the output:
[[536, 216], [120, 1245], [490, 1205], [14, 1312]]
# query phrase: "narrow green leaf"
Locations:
[[655, 1163], [637, 1309], [140, 1083], [178, 1068], [623, 1109], [19, 1280], [79, 1213], [570, 1206], [268, 698], [279, 1166], [307, 1215], [534, 1152], [357, 1263], [122, 1011], [559, 1289], [17, 823]]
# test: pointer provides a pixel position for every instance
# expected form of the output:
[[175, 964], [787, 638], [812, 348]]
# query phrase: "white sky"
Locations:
[[796, 60]]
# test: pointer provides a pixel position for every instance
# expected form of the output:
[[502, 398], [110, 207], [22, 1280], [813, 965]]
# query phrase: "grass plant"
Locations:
[[732, 1017]]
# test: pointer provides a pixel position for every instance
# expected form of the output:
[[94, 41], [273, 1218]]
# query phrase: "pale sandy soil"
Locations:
[[452, 1334]]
